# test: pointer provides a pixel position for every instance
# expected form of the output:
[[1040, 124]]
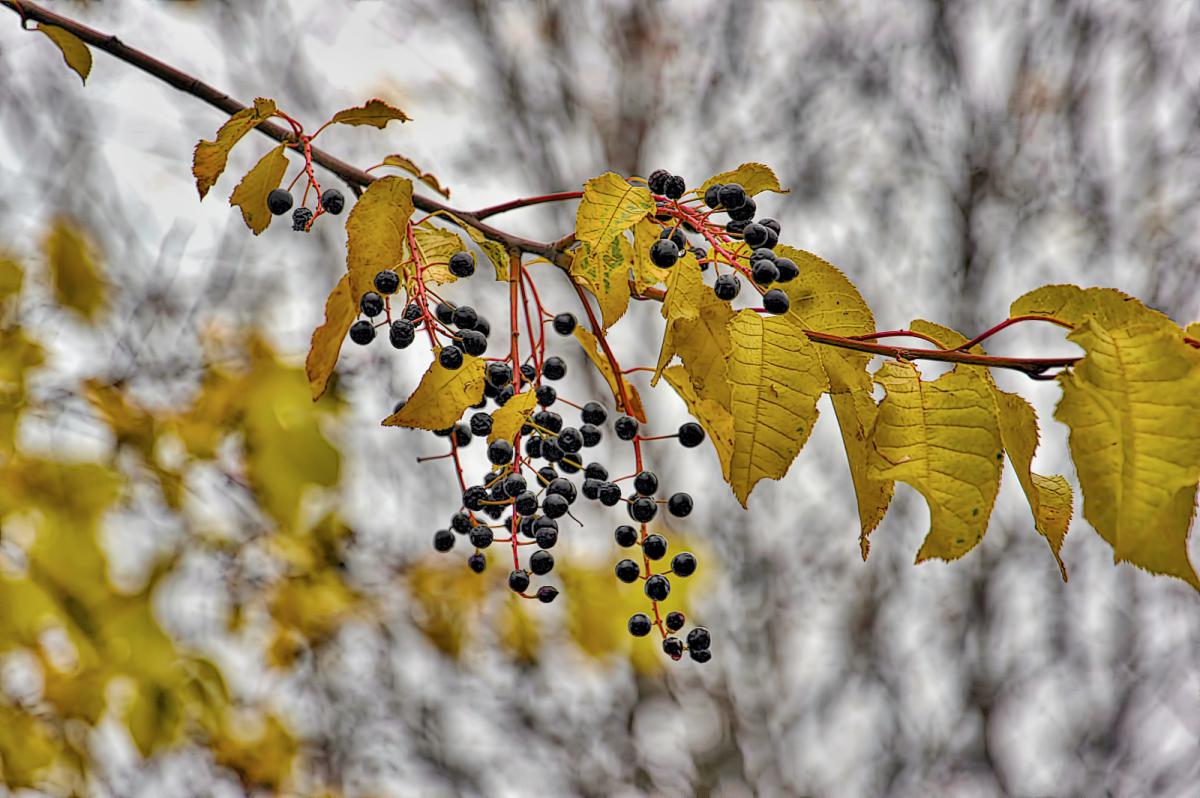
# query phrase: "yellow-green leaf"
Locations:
[[11, 276], [704, 346], [435, 245], [591, 348], [1050, 498], [610, 206], [327, 339], [77, 283], [441, 396], [495, 251], [508, 420], [208, 161], [775, 380], [251, 194], [75, 52], [375, 232], [942, 438], [606, 275], [1193, 330], [19, 355], [645, 273], [374, 112], [712, 415], [405, 163], [754, 177]]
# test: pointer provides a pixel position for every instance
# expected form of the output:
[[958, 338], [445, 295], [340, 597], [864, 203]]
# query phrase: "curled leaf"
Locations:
[[75, 52], [210, 157], [327, 339], [251, 194], [429, 179], [375, 113], [508, 420]]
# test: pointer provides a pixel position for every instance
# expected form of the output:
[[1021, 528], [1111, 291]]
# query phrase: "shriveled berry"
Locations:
[[481, 537], [301, 218], [541, 562], [691, 434], [564, 323], [699, 639], [628, 571], [362, 332], [643, 509], [625, 535], [594, 413], [477, 563], [474, 497], [657, 181], [387, 282], [646, 483], [500, 452], [401, 333], [639, 624], [451, 357], [658, 587], [674, 187], [675, 621], [518, 580], [679, 505], [498, 374], [683, 564], [655, 547], [443, 540], [712, 195], [279, 201], [473, 342], [554, 368], [547, 593], [626, 428], [462, 264], [664, 253], [727, 286], [333, 201], [673, 647]]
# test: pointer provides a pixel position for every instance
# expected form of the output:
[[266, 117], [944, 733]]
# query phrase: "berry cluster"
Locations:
[[678, 219], [279, 201]]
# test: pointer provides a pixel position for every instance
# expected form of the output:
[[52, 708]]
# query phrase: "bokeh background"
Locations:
[[187, 512]]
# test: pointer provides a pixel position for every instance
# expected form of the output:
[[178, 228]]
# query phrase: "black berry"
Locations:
[[657, 181], [387, 282], [547, 594], [362, 332], [594, 413], [664, 253], [500, 452], [626, 428], [595, 471], [473, 342], [464, 317], [541, 562], [674, 187], [333, 201], [683, 564], [625, 535], [591, 434], [679, 505], [699, 639], [444, 312], [764, 272], [564, 323], [643, 509], [546, 395], [676, 235], [498, 374], [658, 587], [554, 368], [279, 201], [481, 537], [477, 563], [673, 647], [754, 234], [639, 624], [745, 212], [462, 264], [443, 540], [731, 195], [727, 286], [609, 494], [675, 621], [701, 656], [776, 301], [461, 523], [518, 581], [770, 224], [545, 536], [712, 195], [371, 304], [787, 269], [655, 547], [645, 483], [300, 219], [451, 357], [628, 571], [691, 434]]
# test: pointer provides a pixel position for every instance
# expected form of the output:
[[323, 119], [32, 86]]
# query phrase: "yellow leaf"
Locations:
[[77, 283], [315, 604], [216, 410], [153, 717], [754, 177], [260, 750], [18, 356], [405, 163], [645, 273], [775, 380], [591, 348], [375, 113], [27, 748], [942, 438], [75, 52], [11, 276], [519, 631], [508, 420], [712, 415], [327, 339], [375, 232], [495, 251], [251, 194], [606, 275], [435, 245], [823, 299], [610, 206], [208, 161], [698, 331], [1050, 498], [1193, 330], [441, 396], [445, 599], [1069, 303]]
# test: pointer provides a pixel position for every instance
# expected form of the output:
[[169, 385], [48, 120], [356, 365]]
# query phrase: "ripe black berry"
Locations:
[[483, 326], [745, 212], [787, 269], [596, 471], [477, 563], [657, 181], [444, 312], [675, 621], [518, 581], [701, 255], [628, 571], [546, 475], [546, 395], [727, 287], [500, 452], [770, 224], [533, 447], [371, 304], [333, 201], [762, 253], [462, 435], [554, 368], [464, 317], [755, 235], [658, 587], [712, 195], [643, 509], [699, 639], [664, 253], [545, 536], [735, 227], [676, 235], [645, 483], [674, 187], [701, 656], [514, 486], [626, 427], [609, 494], [473, 342], [528, 372], [772, 239], [673, 647], [498, 374], [594, 413], [691, 434], [461, 523], [481, 424], [564, 323], [362, 332], [679, 505], [387, 282], [764, 272], [639, 624], [549, 420], [541, 562], [474, 497], [561, 486], [776, 301], [547, 594], [731, 195], [570, 440], [526, 503], [451, 357], [555, 506], [481, 537], [655, 547], [443, 540], [300, 219], [591, 435], [683, 564], [551, 451], [462, 264], [279, 201], [625, 535]]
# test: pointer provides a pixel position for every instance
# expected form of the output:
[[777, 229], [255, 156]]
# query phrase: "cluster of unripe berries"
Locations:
[[279, 202], [766, 268]]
